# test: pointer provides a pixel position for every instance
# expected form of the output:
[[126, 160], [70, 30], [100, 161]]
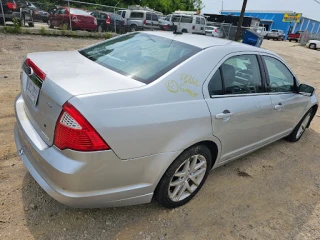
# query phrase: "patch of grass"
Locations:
[[64, 27], [16, 25], [43, 31], [108, 35]]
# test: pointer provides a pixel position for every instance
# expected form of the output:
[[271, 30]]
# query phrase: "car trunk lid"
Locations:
[[68, 74]]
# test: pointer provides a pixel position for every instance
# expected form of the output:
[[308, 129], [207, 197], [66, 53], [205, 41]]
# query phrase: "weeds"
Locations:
[[43, 31]]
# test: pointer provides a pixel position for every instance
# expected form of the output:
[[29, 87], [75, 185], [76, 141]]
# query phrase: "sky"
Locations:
[[309, 8]]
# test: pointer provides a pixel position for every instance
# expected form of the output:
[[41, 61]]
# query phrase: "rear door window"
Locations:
[[143, 57], [124, 14], [136, 15], [198, 20], [148, 17], [203, 22], [154, 17]]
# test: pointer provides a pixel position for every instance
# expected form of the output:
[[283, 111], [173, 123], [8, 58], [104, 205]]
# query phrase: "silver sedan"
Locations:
[[148, 115]]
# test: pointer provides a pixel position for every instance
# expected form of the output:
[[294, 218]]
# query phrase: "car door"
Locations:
[[239, 104], [155, 21], [196, 28], [203, 25], [148, 22], [55, 17], [287, 105]]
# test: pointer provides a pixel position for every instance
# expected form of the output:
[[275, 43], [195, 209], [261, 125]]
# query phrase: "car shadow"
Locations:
[[269, 194]]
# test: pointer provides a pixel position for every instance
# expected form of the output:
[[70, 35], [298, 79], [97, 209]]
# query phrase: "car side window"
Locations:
[[202, 21], [148, 16], [215, 86], [62, 11], [241, 75], [124, 14], [281, 79], [197, 20], [154, 17]]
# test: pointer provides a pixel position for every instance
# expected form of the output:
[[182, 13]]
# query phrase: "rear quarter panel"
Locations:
[[168, 115]]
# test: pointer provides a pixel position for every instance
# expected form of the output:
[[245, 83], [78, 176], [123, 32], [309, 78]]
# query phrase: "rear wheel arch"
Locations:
[[314, 111]]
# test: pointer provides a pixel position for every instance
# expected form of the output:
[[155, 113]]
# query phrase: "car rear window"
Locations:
[[136, 15], [78, 11], [143, 57]]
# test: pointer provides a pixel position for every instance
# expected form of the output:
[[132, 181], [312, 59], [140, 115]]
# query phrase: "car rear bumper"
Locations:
[[91, 179], [10, 16], [84, 26]]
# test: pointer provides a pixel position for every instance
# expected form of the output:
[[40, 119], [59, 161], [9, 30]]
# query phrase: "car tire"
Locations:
[[50, 24], [290, 40], [298, 131], [31, 24], [22, 21], [184, 31], [176, 188], [313, 46], [133, 28]]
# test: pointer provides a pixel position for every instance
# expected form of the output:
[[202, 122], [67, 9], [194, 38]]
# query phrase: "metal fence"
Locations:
[[227, 30], [306, 36]]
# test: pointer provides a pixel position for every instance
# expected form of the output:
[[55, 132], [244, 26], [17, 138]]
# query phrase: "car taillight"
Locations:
[[165, 26], [75, 19], [12, 5], [35, 69], [74, 132], [145, 21], [193, 27], [215, 30], [108, 19], [123, 22]]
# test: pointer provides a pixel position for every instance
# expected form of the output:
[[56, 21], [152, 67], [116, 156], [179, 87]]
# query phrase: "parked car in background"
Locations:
[[187, 23], [195, 103], [261, 30], [108, 21], [313, 44], [213, 31], [125, 14], [16, 10], [276, 34], [38, 13], [80, 19], [295, 36], [141, 20]]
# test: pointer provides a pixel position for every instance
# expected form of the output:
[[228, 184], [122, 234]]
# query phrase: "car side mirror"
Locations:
[[306, 89]]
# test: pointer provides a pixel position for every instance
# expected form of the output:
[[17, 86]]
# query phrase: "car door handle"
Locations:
[[278, 107], [224, 115]]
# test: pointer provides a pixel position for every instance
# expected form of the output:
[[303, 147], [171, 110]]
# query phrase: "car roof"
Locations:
[[203, 42]]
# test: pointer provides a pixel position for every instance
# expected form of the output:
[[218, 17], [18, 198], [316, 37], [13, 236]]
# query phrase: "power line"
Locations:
[[317, 1]]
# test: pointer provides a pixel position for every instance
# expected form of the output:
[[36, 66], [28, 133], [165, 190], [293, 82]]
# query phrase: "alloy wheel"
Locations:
[[187, 178]]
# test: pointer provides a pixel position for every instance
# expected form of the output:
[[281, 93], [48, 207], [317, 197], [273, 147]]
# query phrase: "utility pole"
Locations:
[[244, 5]]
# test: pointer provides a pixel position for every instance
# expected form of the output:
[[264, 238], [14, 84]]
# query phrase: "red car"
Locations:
[[80, 19]]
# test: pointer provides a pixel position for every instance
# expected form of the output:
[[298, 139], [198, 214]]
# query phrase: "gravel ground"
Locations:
[[273, 193]]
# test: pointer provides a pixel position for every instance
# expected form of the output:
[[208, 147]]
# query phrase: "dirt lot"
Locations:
[[277, 196]]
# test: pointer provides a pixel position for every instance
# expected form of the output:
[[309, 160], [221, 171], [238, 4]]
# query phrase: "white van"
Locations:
[[189, 23], [125, 14]]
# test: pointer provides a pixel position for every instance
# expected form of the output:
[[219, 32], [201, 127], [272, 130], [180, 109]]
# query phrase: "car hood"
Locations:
[[77, 74]]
